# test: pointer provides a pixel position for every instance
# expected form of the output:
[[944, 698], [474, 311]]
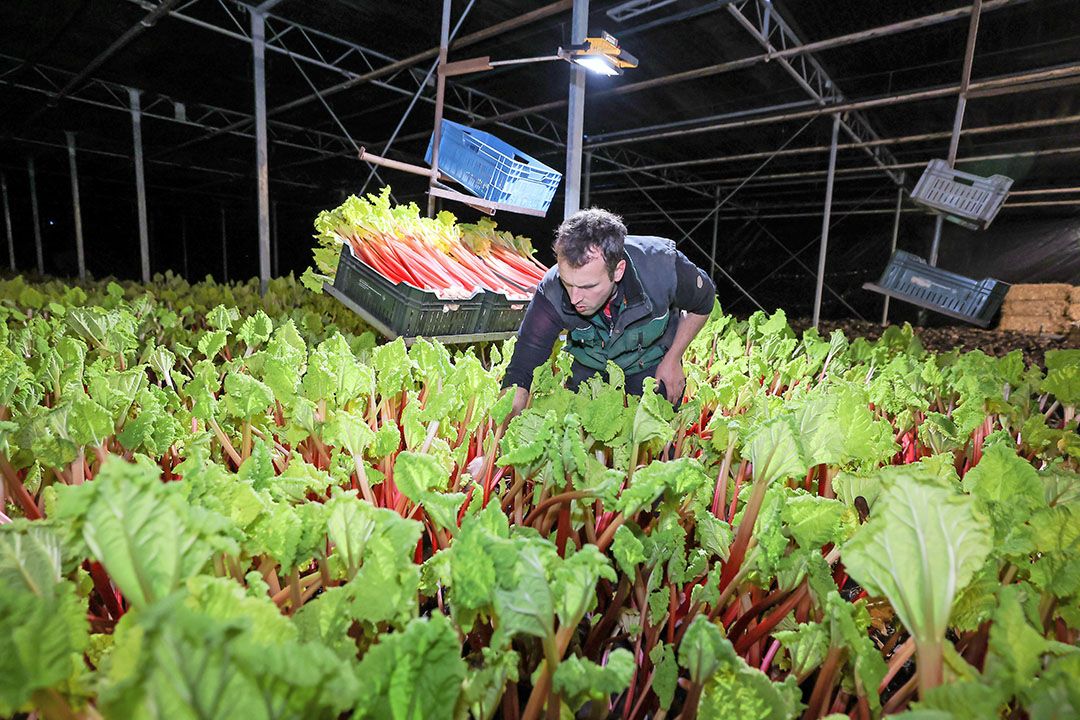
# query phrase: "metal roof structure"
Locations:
[[721, 138]]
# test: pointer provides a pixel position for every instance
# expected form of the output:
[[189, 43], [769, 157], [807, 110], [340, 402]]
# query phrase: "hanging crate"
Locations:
[[494, 170], [965, 199], [909, 278]]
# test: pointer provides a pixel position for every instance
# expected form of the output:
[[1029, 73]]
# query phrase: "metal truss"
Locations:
[[353, 62], [768, 28], [48, 81]]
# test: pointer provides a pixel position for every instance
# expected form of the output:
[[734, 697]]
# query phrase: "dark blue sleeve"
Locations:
[[536, 337], [694, 289]]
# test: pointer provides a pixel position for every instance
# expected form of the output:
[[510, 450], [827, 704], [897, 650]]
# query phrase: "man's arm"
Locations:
[[695, 294], [670, 370], [536, 337]]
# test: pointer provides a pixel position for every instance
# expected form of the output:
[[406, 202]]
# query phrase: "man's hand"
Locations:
[[521, 399], [670, 372]]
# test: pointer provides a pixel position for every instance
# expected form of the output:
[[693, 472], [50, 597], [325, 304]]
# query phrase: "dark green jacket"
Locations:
[[646, 320]]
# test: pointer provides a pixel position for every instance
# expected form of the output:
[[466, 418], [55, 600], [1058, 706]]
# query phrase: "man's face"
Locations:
[[589, 286]]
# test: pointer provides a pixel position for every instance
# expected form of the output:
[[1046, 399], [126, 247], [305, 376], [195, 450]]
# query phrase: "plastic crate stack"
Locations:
[[1043, 308]]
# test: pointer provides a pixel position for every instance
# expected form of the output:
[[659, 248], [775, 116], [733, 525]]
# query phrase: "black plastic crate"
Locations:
[[404, 310], [910, 278], [501, 314]]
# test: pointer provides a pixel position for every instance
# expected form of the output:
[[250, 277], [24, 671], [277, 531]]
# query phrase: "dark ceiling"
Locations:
[[199, 56]]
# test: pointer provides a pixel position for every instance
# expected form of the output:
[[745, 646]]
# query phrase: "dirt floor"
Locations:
[[966, 337]]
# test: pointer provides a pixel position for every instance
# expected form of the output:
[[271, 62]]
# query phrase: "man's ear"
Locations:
[[619, 270]]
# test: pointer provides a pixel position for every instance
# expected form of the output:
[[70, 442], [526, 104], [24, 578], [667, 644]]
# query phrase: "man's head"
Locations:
[[589, 252]]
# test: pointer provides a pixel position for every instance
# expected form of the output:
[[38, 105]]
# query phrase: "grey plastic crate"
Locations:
[[909, 278], [965, 199]]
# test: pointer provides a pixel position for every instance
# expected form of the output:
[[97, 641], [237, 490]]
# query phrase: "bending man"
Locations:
[[632, 299]]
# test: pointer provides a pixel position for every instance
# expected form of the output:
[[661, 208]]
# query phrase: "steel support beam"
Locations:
[[825, 220], [586, 182], [1002, 84], [958, 118], [140, 184], [763, 21], [262, 170], [121, 42], [76, 207], [791, 52], [7, 222], [36, 217], [892, 248], [898, 140], [440, 98], [575, 114]]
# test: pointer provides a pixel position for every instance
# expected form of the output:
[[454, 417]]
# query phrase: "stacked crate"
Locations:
[[1041, 308]]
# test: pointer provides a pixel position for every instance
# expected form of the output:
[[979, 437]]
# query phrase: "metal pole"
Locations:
[[892, 248], [37, 219], [140, 184], [262, 172], [586, 183], [575, 114], [440, 98], [715, 235], [76, 208], [224, 247], [958, 119], [825, 221], [7, 222]]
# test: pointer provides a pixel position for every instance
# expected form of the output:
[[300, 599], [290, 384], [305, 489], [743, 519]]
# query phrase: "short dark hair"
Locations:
[[587, 231]]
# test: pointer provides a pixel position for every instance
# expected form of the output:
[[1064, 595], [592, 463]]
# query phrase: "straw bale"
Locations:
[[1039, 291], [1074, 312], [1032, 325], [1074, 294], [1036, 308]]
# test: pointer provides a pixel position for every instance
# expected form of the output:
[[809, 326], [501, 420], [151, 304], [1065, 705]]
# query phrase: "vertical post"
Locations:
[[140, 183], [440, 96], [586, 188], [958, 118], [892, 247], [34, 212], [262, 172], [274, 238], [7, 222], [575, 116], [183, 246], [715, 235], [825, 220], [76, 208], [224, 247]]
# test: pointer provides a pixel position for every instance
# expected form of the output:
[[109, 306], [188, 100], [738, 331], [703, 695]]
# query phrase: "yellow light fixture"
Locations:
[[601, 55]]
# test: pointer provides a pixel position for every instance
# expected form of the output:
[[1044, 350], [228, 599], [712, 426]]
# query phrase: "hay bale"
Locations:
[[1039, 291], [1074, 295], [1036, 308], [1033, 326], [1073, 312]]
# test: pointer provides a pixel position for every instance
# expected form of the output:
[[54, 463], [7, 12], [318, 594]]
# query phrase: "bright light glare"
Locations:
[[597, 64]]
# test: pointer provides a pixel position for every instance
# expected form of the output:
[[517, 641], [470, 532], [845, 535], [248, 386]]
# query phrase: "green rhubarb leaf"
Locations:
[[142, 530], [1009, 486], [579, 680], [416, 674], [922, 545]]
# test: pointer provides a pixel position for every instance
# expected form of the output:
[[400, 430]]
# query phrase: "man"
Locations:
[[631, 299]]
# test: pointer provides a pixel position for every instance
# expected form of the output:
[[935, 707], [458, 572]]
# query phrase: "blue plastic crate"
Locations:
[[909, 278], [492, 169]]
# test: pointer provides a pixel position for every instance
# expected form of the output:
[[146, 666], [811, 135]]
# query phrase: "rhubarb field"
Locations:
[[221, 506]]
